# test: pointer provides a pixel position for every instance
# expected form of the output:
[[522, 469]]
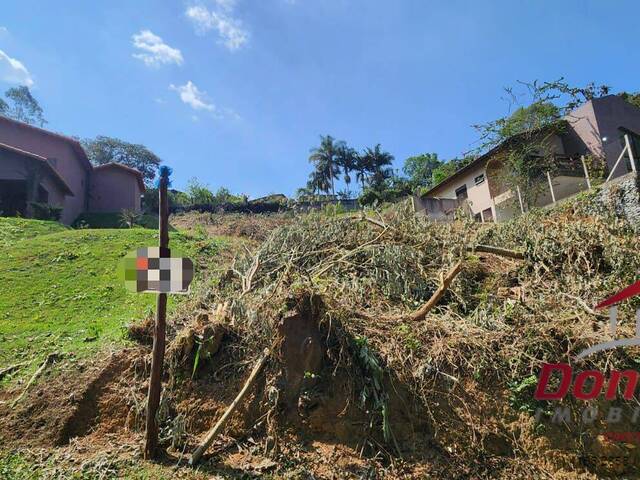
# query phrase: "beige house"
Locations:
[[37, 165], [607, 128]]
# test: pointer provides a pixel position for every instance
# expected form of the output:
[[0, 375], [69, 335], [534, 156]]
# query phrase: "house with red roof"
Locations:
[[37, 165]]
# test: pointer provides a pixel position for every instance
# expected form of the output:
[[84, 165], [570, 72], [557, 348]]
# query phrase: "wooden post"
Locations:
[[586, 171], [157, 356], [553, 195]]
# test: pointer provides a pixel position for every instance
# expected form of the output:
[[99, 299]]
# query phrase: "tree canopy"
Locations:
[[21, 105], [325, 159], [632, 98], [103, 150], [419, 169]]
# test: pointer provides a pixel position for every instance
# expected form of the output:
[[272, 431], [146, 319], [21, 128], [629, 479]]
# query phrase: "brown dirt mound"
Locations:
[[67, 404]]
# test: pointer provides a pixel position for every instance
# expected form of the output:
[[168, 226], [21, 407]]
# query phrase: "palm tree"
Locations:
[[361, 169], [324, 158], [377, 162], [318, 182], [347, 160]]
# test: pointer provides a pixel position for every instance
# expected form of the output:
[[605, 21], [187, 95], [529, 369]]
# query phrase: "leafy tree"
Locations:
[[22, 106], [544, 104], [347, 159], [103, 150], [632, 98], [325, 160], [377, 163], [318, 182], [419, 169], [362, 170], [529, 155], [150, 199], [304, 193], [446, 169], [223, 195], [529, 118], [199, 193], [390, 190]]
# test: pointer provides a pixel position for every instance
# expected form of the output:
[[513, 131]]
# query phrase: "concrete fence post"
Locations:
[[520, 199], [627, 145], [553, 195], [586, 172]]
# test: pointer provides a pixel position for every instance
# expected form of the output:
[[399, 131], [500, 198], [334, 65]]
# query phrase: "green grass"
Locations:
[[12, 229], [113, 220], [15, 465], [61, 291]]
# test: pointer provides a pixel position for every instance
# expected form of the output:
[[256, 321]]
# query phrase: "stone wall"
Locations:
[[620, 196]]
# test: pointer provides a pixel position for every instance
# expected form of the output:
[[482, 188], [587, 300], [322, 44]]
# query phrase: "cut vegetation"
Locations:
[[398, 348]]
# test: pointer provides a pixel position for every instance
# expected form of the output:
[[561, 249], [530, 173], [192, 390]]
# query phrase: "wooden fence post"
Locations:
[[159, 333]]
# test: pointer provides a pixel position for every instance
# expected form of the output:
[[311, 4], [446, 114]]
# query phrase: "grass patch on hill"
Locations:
[[13, 229], [60, 288]]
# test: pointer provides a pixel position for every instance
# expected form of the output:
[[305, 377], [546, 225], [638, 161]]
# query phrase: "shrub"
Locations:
[[128, 217], [44, 211]]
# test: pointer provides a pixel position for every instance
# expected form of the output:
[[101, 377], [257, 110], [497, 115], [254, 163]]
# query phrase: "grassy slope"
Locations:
[[60, 288], [12, 229]]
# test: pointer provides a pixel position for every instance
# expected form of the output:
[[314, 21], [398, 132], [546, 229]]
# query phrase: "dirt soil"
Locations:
[[82, 415]]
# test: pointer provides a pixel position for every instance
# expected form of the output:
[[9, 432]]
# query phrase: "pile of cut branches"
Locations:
[[493, 324]]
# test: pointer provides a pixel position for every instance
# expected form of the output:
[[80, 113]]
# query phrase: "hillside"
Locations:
[[61, 291], [363, 381]]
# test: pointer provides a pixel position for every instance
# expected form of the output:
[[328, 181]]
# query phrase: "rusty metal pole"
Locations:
[[159, 333]]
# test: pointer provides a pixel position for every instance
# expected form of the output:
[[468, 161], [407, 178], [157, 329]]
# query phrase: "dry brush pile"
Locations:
[[335, 300]]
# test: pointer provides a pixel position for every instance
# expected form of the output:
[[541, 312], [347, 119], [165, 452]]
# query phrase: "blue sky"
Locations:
[[236, 92]]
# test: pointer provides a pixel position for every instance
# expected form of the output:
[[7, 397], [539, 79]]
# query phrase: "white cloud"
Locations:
[[14, 71], [3, 31], [197, 99], [153, 51], [193, 97], [230, 30]]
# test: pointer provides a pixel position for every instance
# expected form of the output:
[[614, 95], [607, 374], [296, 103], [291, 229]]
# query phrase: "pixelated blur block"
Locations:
[[153, 269]]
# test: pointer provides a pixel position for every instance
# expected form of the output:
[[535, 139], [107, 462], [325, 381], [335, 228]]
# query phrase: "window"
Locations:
[[477, 218], [479, 179], [487, 215], [461, 193]]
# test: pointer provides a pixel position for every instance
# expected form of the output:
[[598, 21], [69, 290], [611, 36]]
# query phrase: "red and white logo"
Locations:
[[597, 384]]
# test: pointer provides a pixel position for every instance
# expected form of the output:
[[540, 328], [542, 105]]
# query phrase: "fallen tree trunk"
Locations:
[[198, 452], [421, 313], [503, 252], [374, 221]]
